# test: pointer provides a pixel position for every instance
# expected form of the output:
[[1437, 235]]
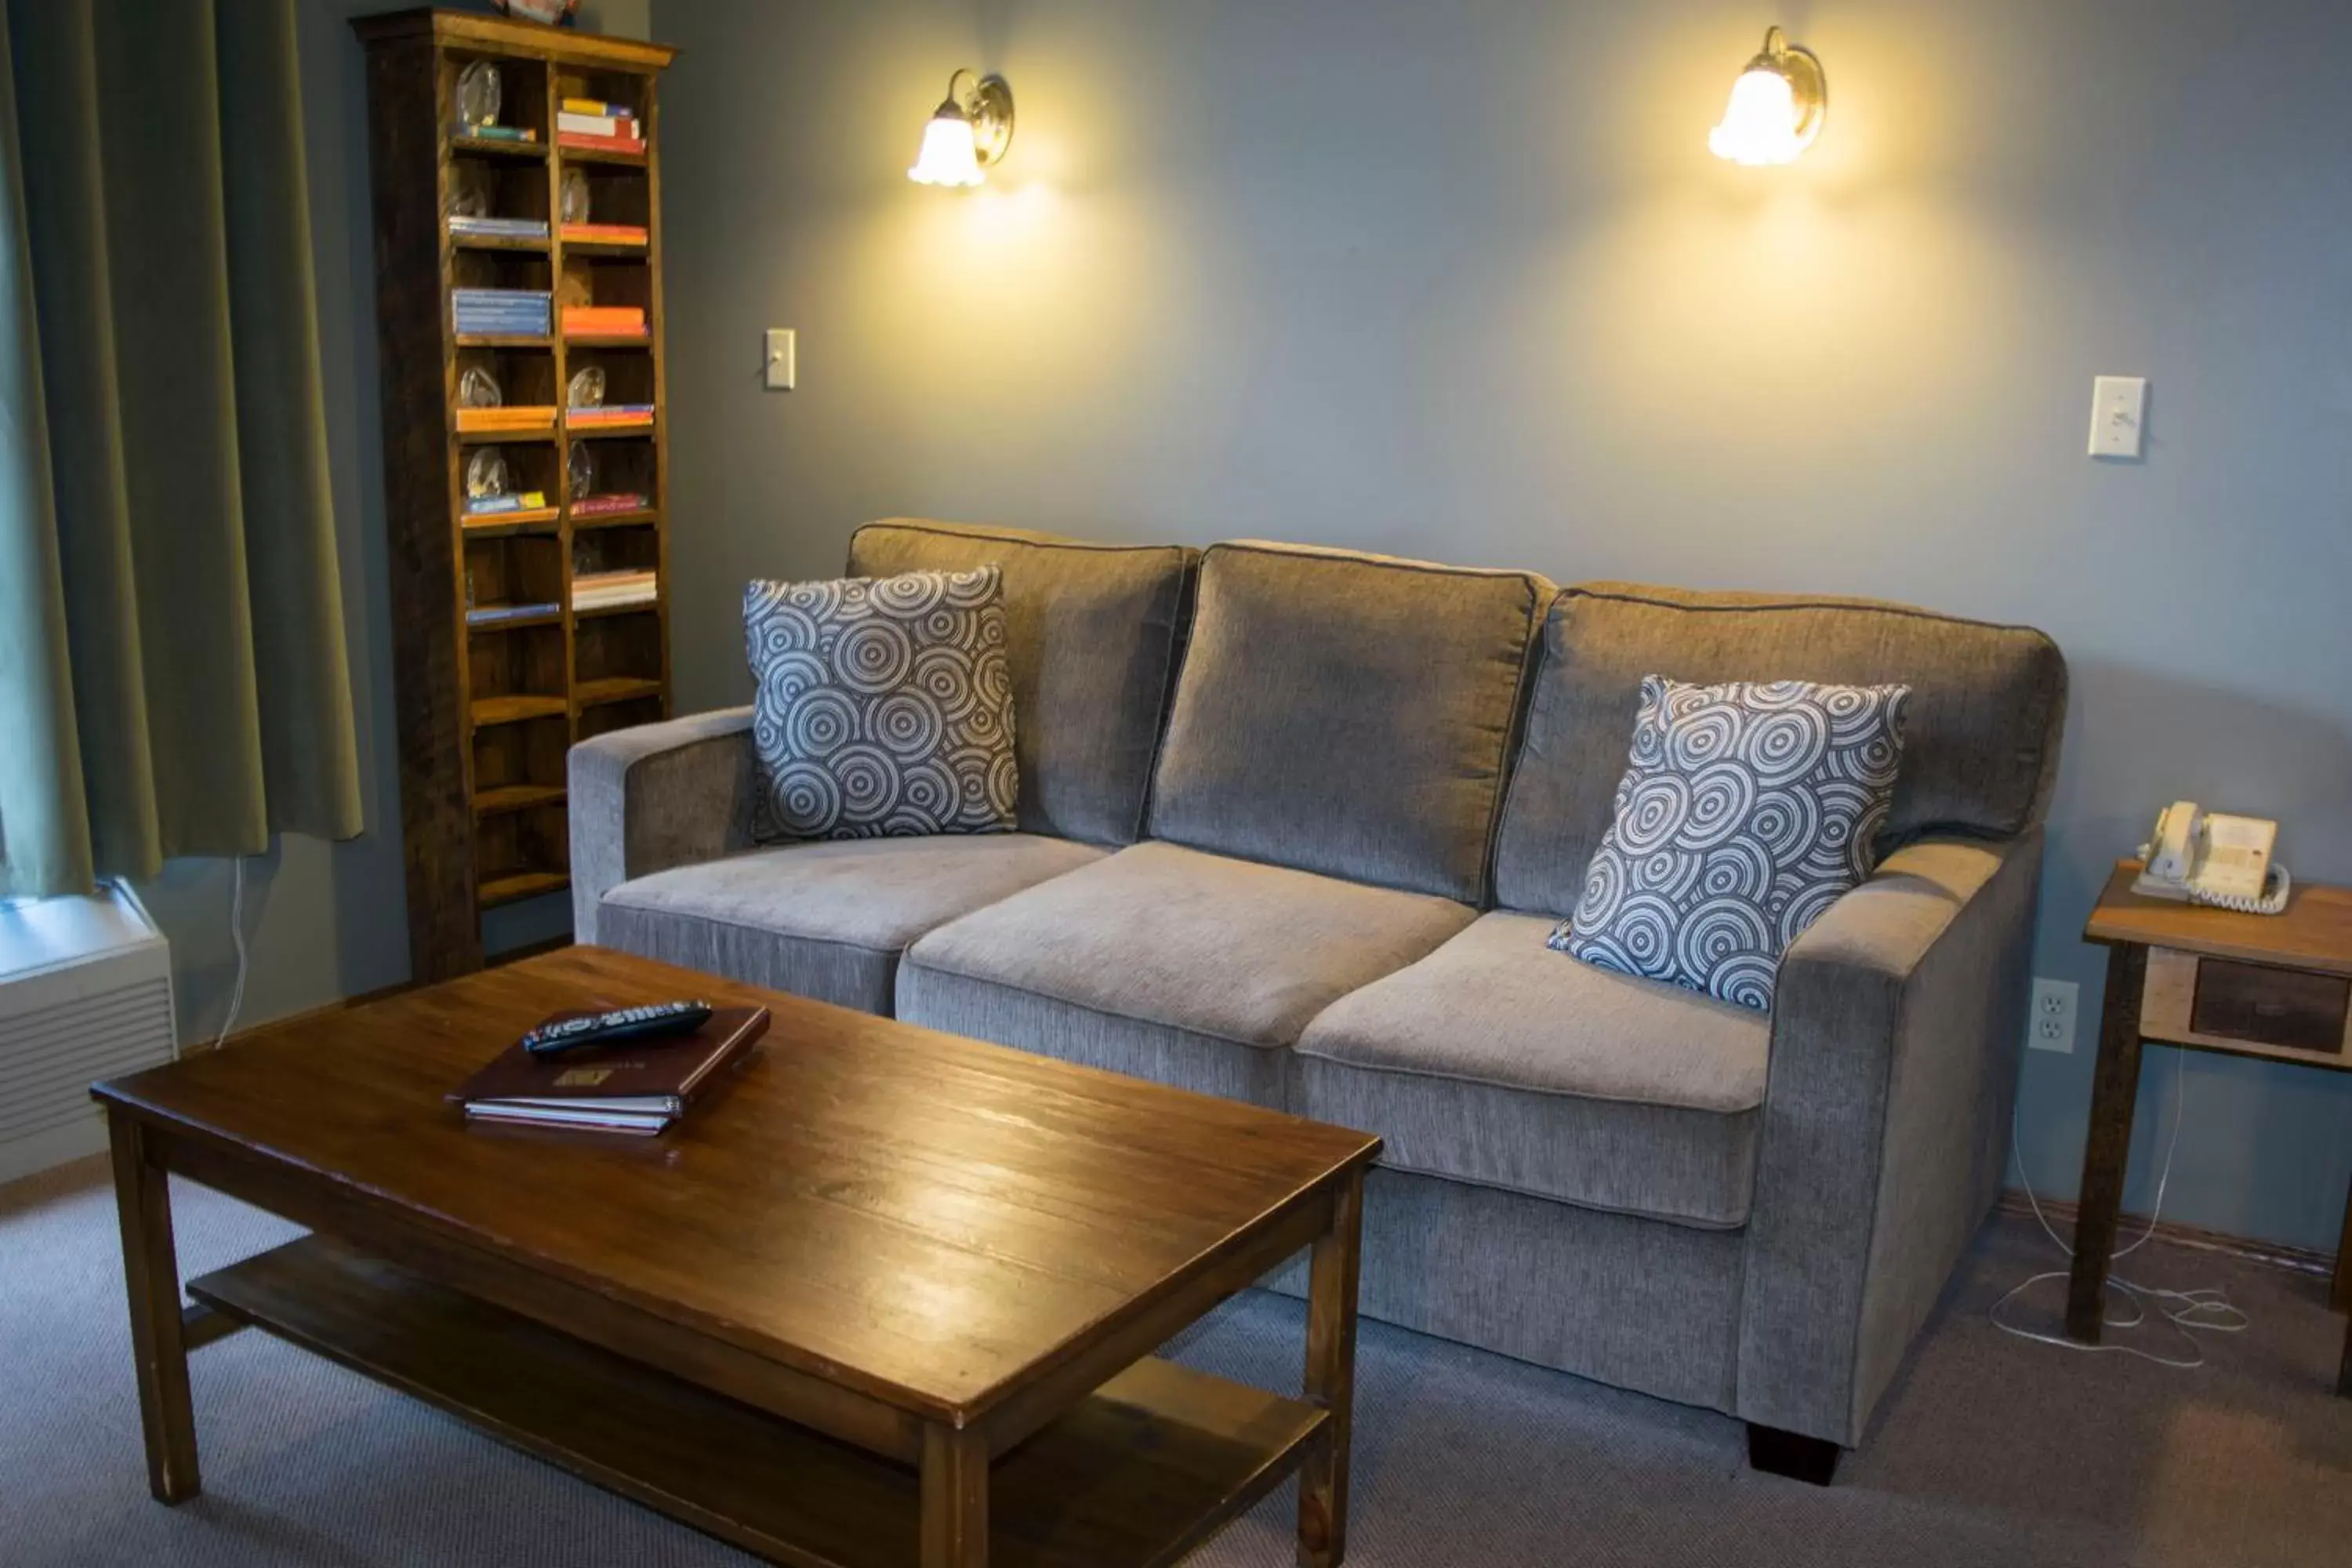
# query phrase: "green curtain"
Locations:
[[172, 673]]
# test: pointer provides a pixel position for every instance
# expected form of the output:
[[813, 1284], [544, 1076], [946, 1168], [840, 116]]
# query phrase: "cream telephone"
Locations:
[[2206, 857]]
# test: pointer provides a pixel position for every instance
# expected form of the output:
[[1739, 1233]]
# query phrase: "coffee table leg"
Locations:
[[151, 1268], [955, 1499], [1331, 1381]]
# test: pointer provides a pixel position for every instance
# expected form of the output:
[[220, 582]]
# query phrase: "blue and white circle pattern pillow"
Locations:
[[1746, 810], [884, 706]]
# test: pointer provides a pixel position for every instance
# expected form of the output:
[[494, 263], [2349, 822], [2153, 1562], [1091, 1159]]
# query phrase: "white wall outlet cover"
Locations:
[[2050, 1020], [2118, 416], [781, 367]]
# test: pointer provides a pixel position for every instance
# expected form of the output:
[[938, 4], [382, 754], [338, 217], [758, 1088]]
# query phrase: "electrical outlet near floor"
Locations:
[[2050, 1021]]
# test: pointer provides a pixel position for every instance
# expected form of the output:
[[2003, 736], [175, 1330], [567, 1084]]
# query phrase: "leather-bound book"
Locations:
[[631, 1086]]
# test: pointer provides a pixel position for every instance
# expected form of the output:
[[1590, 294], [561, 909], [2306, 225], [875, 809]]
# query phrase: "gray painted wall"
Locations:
[[1462, 281]]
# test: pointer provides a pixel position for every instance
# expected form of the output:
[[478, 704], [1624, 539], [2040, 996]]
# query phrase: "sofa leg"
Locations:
[[1791, 1454]]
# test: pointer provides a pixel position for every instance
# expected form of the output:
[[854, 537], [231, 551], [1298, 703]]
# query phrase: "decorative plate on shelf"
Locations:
[[555, 12], [587, 388], [485, 473], [478, 388], [469, 196], [479, 94], [575, 195], [581, 470]]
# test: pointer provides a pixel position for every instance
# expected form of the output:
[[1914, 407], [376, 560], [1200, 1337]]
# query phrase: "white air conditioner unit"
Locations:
[[85, 994]]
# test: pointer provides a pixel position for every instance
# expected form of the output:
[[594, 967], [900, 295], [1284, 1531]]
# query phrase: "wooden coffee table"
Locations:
[[889, 1298]]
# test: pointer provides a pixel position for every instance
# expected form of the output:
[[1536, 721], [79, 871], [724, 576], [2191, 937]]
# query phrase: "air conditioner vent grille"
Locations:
[[50, 1055]]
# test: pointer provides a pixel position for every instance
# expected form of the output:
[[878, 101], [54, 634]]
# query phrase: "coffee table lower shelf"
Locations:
[[1144, 1470]]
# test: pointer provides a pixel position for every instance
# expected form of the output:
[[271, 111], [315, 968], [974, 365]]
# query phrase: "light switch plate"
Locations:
[[782, 363], [2050, 1021], [2118, 413]]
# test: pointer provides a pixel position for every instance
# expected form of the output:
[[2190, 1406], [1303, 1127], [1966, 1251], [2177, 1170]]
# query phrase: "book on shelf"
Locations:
[[491, 505], [507, 416], [597, 106], [498, 132], [630, 1086], [603, 234], [498, 615], [580, 142], [474, 223], [620, 126], [611, 414], [619, 501], [604, 320], [501, 312], [604, 590]]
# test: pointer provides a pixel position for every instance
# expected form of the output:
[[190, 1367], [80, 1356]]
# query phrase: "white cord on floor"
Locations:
[[2209, 1310], [237, 934]]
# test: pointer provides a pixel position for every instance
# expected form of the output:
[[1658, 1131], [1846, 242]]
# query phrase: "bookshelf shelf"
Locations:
[[515, 623], [516, 886], [538, 519], [526, 244], [617, 518], [490, 711], [617, 689], [516, 797], [542, 433], [602, 155], [498, 147], [487, 712]]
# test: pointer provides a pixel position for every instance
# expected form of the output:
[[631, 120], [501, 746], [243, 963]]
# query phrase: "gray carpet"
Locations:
[[1991, 1450]]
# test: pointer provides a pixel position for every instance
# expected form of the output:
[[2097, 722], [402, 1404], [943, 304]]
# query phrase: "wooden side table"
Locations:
[[2274, 986]]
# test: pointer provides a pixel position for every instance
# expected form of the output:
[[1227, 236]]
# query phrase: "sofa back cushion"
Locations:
[[1980, 732], [1093, 634], [1347, 713]]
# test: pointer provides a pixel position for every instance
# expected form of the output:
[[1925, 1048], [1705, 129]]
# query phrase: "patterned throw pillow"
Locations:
[[883, 709], [1746, 810]]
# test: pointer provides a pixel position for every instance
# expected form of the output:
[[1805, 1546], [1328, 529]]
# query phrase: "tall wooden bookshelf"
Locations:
[[486, 711]]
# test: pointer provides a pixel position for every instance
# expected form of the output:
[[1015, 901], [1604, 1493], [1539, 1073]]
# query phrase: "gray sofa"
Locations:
[[1293, 826]]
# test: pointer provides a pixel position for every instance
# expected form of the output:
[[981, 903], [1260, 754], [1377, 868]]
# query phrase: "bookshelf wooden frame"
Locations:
[[486, 713]]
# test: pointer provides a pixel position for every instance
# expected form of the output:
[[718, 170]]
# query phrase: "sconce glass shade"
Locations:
[[949, 156], [968, 132], [1776, 107]]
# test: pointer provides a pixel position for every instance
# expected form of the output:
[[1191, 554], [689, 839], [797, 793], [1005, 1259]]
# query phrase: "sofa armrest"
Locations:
[[658, 796], [1895, 1028]]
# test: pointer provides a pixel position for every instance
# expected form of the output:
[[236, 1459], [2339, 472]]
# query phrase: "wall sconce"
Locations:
[[1777, 106], [968, 132]]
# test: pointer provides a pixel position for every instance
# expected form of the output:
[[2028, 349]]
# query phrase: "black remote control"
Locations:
[[655, 1018]]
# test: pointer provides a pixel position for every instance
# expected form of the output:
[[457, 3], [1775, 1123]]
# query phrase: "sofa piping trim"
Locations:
[[999, 536]]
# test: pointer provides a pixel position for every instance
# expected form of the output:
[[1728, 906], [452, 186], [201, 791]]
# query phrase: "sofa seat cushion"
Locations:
[[1495, 1061], [1168, 964], [825, 920]]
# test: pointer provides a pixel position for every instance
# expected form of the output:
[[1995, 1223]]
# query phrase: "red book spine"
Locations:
[[581, 140]]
